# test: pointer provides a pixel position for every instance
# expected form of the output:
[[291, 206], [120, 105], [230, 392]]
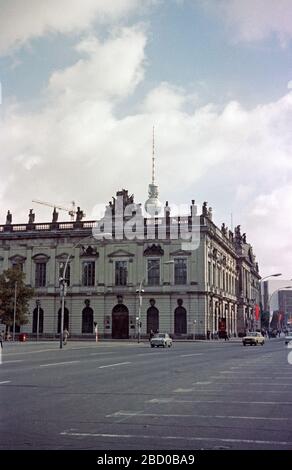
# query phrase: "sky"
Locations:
[[83, 83]]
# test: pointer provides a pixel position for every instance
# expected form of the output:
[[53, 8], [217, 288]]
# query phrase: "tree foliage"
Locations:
[[11, 282]]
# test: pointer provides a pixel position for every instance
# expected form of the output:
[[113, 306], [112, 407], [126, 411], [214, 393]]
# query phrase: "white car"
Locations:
[[161, 339], [253, 339]]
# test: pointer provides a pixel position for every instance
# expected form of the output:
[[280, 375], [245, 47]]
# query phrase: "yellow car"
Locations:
[[253, 339]]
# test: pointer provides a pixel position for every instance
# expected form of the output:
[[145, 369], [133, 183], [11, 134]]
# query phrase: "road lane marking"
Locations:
[[177, 438], [173, 400], [246, 377], [5, 382], [256, 375], [114, 365], [201, 383], [189, 355], [124, 416], [100, 353], [31, 352], [169, 415], [147, 354], [223, 390], [11, 362], [59, 363], [238, 382], [160, 400]]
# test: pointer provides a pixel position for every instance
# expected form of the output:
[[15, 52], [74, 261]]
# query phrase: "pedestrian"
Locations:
[[151, 335], [96, 331], [226, 337], [2, 335], [65, 336]]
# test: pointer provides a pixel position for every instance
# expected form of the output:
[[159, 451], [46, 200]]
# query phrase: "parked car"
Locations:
[[253, 339], [161, 339]]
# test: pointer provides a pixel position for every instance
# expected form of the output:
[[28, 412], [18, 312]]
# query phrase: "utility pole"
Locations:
[[63, 293], [38, 318], [14, 310]]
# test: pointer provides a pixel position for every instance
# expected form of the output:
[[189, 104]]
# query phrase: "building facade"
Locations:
[[186, 292]]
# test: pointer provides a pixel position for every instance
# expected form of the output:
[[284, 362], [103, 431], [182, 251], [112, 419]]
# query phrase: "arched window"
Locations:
[[38, 318], [152, 317], [180, 319], [120, 322], [87, 318]]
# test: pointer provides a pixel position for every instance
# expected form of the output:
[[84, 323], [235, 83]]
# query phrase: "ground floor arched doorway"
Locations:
[[120, 322]]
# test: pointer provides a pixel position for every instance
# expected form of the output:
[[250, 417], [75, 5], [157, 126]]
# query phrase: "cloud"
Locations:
[[96, 69], [271, 222], [83, 145], [254, 20], [164, 97], [23, 20]]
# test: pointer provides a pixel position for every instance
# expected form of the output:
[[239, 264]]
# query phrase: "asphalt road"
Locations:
[[113, 395]]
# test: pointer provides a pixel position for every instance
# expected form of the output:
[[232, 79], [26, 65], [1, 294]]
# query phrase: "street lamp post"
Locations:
[[14, 310], [38, 317], [140, 291], [139, 310], [63, 286]]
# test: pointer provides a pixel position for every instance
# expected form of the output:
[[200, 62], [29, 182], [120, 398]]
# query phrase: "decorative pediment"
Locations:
[[41, 258], [180, 253], [17, 259], [153, 249], [63, 256], [89, 251], [121, 253]]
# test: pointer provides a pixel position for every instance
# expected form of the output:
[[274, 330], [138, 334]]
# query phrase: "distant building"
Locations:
[[277, 303], [285, 307]]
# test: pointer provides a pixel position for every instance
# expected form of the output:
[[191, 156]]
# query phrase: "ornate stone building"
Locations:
[[186, 292]]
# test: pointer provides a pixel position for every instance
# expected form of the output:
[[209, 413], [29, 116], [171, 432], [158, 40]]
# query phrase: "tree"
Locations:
[[11, 283]]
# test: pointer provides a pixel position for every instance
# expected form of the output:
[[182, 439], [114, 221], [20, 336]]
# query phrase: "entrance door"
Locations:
[[120, 322]]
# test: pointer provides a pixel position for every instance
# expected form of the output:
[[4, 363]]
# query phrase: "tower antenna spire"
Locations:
[[153, 205], [153, 157]]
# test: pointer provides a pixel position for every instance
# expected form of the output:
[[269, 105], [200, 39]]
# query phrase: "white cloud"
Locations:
[[253, 20], [23, 20], [163, 98], [76, 146], [103, 71], [271, 228]]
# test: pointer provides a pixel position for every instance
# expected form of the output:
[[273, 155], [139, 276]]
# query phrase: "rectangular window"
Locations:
[[88, 278], [68, 272], [121, 273], [180, 271], [153, 271], [40, 274]]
